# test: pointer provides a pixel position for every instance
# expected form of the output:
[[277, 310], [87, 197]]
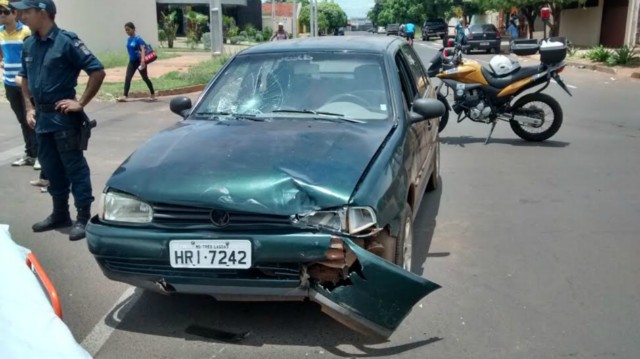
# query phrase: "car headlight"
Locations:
[[350, 220], [123, 208]]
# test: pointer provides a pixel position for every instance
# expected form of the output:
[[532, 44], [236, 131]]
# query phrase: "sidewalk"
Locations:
[[181, 63]]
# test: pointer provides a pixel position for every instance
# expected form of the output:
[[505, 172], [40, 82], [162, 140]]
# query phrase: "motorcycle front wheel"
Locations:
[[540, 106]]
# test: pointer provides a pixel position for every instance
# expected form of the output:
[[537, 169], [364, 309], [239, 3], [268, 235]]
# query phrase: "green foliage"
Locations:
[[267, 32], [598, 54], [250, 30], [233, 31], [237, 39], [206, 40], [623, 56], [330, 16], [244, 34], [170, 27], [259, 37]]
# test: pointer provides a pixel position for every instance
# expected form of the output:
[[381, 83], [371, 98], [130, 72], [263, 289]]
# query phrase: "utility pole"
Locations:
[[273, 15], [215, 24], [294, 25]]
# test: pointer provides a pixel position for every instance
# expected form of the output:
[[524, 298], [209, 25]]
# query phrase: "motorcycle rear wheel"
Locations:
[[530, 133]]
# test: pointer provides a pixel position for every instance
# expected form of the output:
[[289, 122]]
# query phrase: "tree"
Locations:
[[330, 16], [170, 27]]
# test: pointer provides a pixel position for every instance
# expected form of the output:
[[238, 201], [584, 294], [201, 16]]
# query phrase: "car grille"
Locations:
[[169, 215], [162, 269]]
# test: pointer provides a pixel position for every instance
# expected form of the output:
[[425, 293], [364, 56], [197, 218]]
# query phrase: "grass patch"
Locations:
[[197, 75], [111, 59]]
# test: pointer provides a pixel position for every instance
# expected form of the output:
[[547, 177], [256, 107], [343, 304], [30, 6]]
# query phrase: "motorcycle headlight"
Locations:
[[123, 208], [350, 220]]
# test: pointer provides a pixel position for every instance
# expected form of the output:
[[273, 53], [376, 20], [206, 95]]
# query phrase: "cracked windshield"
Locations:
[[293, 85]]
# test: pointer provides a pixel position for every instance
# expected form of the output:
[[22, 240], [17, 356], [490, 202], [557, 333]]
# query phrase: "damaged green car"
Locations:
[[295, 175]]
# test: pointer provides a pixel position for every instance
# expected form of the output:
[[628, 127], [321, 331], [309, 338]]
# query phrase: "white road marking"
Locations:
[[99, 335]]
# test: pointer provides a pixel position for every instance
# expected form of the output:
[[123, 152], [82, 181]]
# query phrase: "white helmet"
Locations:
[[502, 65]]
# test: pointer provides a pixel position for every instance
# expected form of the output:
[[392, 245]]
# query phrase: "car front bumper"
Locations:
[[140, 257]]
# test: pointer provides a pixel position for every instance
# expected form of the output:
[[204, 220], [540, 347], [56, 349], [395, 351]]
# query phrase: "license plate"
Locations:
[[484, 44], [227, 254]]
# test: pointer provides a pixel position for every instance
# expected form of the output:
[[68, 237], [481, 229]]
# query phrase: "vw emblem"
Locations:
[[219, 218]]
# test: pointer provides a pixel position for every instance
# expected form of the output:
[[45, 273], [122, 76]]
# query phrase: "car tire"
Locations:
[[404, 253]]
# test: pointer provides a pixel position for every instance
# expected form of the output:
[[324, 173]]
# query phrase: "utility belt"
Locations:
[[76, 138]]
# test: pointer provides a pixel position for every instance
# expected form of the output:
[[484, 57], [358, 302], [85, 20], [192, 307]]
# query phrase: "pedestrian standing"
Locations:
[[136, 47], [12, 37], [51, 63]]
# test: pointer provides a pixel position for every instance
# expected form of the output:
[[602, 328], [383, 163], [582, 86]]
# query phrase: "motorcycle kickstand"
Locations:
[[493, 126]]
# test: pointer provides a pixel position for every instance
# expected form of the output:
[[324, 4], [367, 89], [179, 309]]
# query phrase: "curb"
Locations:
[[598, 68], [170, 92]]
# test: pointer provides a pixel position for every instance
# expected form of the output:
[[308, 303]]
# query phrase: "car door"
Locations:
[[426, 130], [376, 296]]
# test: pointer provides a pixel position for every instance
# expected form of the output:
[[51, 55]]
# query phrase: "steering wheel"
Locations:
[[349, 98]]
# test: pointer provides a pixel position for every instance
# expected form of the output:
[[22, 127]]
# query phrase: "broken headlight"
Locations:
[[350, 220], [124, 208]]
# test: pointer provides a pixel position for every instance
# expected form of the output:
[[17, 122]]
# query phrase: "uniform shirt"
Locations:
[[11, 44], [51, 67], [410, 28], [133, 46]]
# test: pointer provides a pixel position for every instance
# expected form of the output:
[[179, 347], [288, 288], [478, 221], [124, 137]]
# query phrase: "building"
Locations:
[[611, 23], [100, 23], [284, 13]]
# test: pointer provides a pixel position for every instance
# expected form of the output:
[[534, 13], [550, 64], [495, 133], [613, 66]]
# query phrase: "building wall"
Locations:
[[100, 23], [582, 26]]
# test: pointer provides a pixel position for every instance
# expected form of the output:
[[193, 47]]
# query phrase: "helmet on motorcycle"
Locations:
[[502, 65]]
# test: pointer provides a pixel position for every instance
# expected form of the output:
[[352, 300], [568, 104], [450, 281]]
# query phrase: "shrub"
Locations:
[[250, 30], [244, 34], [233, 31], [206, 40], [267, 33], [259, 37], [623, 56], [237, 39], [598, 54]]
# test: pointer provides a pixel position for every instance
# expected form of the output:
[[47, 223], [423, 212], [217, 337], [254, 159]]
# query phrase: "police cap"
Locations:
[[47, 5]]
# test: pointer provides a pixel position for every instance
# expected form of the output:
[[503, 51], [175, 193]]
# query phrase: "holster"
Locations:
[[85, 130]]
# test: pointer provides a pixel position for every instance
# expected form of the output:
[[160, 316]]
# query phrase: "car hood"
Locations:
[[277, 167]]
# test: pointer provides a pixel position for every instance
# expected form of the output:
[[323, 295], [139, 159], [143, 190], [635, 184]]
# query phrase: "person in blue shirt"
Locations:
[[513, 30], [136, 48], [410, 31], [52, 59]]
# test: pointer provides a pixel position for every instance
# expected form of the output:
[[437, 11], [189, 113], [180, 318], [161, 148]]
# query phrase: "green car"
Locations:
[[295, 175]]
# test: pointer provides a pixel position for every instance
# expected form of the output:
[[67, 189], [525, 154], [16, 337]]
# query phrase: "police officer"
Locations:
[[51, 62]]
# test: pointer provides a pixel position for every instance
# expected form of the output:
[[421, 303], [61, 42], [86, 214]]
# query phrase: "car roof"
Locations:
[[371, 44]]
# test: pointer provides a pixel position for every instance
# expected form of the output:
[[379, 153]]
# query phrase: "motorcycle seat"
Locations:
[[504, 81]]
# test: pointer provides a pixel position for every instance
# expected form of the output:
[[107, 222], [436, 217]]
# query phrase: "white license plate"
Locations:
[[484, 44], [227, 254]]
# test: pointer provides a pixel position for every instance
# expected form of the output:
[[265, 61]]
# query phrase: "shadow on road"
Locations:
[[466, 140], [425, 225], [268, 323]]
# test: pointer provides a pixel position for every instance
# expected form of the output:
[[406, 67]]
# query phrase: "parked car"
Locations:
[[393, 29], [339, 31], [31, 312], [482, 37], [434, 28], [297, 173], [372, 29], [382, 30]]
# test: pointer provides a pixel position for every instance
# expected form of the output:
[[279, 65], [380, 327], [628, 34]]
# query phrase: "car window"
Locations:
[[269, 85], [417, 71], [483, 28], [409, 89]]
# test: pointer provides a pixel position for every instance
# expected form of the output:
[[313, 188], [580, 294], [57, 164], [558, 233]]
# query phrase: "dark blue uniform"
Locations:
[[51, 67]]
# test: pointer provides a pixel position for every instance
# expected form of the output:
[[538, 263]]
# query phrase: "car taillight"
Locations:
[[560, 70]]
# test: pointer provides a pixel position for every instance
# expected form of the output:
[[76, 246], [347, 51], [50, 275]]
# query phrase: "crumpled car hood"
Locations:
[[277, 167]]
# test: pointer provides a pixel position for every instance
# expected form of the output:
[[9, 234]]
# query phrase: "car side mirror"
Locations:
[[425, 109], [180, 106]]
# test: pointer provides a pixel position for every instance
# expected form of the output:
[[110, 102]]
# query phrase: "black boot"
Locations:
[[58, 219], [78, 230]]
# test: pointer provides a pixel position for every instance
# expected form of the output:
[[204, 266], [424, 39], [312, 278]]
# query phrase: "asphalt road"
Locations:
[[536, 247]]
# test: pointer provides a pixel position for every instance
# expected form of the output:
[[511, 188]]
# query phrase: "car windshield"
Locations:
[[339, 84], [483, 28]]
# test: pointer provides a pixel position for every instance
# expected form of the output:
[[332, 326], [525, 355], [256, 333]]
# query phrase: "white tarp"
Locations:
[[29, 328]]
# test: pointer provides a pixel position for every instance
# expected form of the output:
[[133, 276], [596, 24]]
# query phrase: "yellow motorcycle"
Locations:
[[487, 94]]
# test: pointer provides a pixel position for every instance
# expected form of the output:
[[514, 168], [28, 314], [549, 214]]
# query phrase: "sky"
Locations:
[[356, 8]]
